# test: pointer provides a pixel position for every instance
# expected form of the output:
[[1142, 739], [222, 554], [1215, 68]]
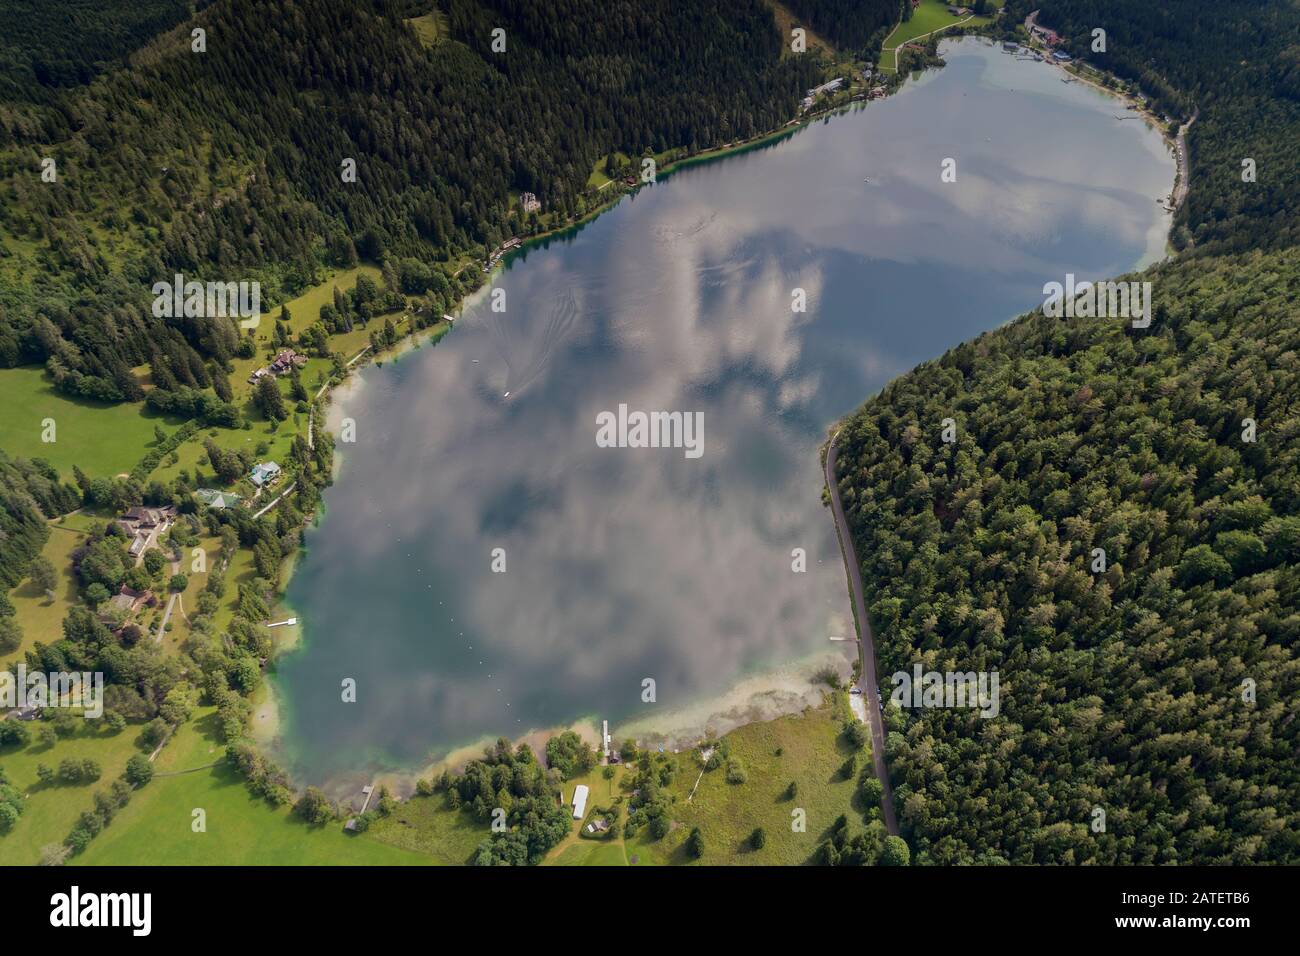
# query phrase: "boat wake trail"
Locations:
[[528, 356]]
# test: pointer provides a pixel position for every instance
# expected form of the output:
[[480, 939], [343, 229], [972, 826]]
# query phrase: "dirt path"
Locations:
[[885, 49], [171, 603], [277, 500]]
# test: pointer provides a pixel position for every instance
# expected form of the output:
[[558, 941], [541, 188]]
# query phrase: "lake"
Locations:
[[623, 564]]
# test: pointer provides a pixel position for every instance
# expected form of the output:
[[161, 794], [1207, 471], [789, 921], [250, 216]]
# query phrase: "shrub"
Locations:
[[695, 843], [139, 771]]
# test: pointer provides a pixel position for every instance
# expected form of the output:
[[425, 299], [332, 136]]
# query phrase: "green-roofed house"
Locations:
[[217, 499]]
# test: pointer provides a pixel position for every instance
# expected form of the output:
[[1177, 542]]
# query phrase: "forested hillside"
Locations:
[[1116, 529], [858, 25], [45, 46], [1120, 690], [226, 164], [1238, 62]]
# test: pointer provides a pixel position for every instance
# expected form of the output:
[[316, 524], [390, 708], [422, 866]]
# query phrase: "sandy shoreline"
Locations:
[[783, 690]]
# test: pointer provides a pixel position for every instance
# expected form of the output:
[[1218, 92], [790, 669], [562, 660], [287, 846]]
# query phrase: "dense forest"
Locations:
[[1158, 683], [1116, 528], [46, 46], [1237, 62], [226, 164]]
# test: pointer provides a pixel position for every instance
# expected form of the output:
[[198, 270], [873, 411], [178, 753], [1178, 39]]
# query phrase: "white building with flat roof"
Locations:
[[579, 801]]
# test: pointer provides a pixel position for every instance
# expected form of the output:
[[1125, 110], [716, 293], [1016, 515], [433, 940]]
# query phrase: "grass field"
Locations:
[[40, 617], [50, 812], [155, 827], [427, 825], [430, 27], [812, 752], [931, 15], [598, 177], [241, 570], [591, 853], [174, 639], [103, 440]]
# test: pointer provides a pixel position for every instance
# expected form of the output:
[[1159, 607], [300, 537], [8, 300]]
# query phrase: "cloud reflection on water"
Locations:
[[632, 563]]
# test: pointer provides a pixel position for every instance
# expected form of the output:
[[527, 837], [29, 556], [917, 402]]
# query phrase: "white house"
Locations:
[[579, 801]]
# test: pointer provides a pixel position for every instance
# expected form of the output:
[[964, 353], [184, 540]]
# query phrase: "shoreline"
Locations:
[[267, 718], [750, 698], [1135, 101], [778, 691]]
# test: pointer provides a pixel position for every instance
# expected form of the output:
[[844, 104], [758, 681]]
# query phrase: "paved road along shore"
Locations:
[[866, 643]]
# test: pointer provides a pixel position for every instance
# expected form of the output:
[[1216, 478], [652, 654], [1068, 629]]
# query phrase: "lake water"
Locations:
[[631, 563]]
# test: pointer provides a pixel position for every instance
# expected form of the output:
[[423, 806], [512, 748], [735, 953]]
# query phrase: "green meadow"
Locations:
[[427, 825], [430, 27], [157, 826], [807, 749], [931, 15], [811, 753], [39, 615], [101, 439], [50, 811], [598, 178]]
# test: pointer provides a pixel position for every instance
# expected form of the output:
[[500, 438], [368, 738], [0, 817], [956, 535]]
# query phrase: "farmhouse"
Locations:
[[131, 600], [1050, 37], [264, 473], [220, 500], [144, 525], [136, 518], [285, 361]]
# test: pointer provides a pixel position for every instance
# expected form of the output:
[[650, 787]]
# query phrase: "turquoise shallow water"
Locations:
[[631, 563]]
